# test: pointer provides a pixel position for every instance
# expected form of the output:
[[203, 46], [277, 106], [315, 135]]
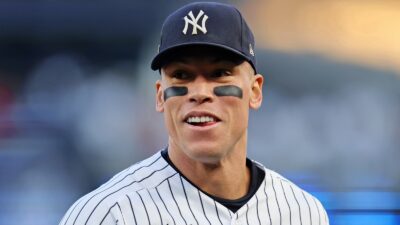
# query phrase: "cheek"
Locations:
[[171, 112], [238, 107]]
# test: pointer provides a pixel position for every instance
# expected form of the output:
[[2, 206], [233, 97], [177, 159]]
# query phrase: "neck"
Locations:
[[217, 178]]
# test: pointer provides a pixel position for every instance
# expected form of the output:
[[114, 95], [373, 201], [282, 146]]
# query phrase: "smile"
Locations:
[[201, 119]]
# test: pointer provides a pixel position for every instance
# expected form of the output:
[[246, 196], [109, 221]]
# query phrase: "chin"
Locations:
[[206, 153]]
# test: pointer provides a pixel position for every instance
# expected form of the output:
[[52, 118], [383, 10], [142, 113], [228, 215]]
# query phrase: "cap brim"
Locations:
[[161, 57]]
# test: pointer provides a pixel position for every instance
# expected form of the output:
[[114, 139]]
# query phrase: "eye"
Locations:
[[221, 73], [181, 75]]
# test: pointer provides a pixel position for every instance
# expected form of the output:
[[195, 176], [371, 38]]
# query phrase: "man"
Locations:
[[208, 83]]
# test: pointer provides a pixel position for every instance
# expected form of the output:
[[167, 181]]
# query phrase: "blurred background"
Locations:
[[77, 100]]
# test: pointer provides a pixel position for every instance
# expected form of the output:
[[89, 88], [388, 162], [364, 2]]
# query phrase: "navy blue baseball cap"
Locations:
[[205, 24]]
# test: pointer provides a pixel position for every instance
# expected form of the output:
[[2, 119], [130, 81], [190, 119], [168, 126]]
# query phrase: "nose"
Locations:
[[200, 91]]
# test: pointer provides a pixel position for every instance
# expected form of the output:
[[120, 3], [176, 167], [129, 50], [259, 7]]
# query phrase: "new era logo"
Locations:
[[194, 22], [251, 51]]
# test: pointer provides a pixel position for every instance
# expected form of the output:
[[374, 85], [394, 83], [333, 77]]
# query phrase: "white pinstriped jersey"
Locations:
[[153, 192]]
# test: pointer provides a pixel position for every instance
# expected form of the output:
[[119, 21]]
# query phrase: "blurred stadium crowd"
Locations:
[[77, 105]]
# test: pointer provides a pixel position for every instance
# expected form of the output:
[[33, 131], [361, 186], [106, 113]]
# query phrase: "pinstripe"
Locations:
[[309, 209], [297, 203], [145, 208], [173, 197], [284, 194], [187, 200], [111, 187], [151, 174], [119, 174], [103, 188], [108, 212], [119, 207], [165, 205], [165, 179], [230, 214], [158, 210], [202, 206], [95, 207], [216, 209], [276, 198], [258, 215], [133, 212], [266, 200], [247, 214], [73, 209]]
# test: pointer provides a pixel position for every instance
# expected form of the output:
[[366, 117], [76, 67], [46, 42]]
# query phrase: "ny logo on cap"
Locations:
[[194, 21]]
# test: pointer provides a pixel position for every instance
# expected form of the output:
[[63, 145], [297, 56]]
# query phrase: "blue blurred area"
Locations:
[[364, 207], [77, 106], [354, 206]]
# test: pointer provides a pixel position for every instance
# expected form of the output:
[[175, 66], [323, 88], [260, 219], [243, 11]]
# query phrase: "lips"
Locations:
[[201, 118]]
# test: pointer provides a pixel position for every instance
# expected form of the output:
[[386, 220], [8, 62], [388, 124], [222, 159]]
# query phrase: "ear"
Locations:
[[159, 97], [256, 91]]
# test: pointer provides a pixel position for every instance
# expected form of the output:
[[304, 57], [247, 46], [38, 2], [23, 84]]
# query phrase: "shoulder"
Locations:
[[94, 207], [286, 196]]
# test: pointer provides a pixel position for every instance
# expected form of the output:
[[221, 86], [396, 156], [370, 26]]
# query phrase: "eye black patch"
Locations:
[[175, 91], [228, 90]]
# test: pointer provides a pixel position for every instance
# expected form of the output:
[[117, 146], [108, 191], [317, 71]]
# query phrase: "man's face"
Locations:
[[204, 123]]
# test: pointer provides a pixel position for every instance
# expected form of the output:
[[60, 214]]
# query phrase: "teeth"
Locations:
[[200, 119]]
